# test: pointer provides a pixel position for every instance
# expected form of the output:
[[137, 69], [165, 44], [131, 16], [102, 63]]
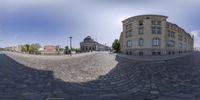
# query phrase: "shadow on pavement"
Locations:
[[130, 82]]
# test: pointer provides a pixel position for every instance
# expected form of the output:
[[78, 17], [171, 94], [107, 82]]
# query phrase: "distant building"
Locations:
[[8, 48], [51, 49], [90, 45], [197, 48], [41, 49], [17, 48], [153, 35]]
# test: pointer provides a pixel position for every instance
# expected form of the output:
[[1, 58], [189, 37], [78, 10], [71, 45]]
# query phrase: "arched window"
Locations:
[[141, 42], [156, 41]]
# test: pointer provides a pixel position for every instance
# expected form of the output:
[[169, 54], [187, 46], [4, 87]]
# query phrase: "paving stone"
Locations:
[[154, 92], [108, 95], [96, 75], [185, 95]]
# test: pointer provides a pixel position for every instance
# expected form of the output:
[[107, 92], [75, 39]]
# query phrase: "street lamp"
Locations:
[[70, 45]]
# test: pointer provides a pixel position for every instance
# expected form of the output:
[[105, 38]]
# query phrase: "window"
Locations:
[[129, 26], [129, 33], [168, 25], [140, 30], [140, 22], [153, 22], [140, 53], [153, 30], [130, 53], [129, 43], [171, 34], [180, 45], [185, 39], [156, 42], [180, 37], [170, 43], [156, 30], [184, 46], [158, 53], [158, 22], [141, 42]]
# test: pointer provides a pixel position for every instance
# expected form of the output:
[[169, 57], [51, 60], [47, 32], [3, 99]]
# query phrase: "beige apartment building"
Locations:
[[154, 35]]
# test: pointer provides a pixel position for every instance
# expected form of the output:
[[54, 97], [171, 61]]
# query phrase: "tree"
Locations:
[[34, 48], [78, 50], [116, 45], [66, 51], [2, 49], [27, 47], [24, 48], [61, 49]]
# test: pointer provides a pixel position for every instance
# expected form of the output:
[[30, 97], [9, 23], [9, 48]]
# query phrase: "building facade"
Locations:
[[197, 49], [17, 48], [51, 49], [153, 35], [90, 45]]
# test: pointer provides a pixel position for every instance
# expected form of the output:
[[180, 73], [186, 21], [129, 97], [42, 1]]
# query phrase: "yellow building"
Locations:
[[153, 35]]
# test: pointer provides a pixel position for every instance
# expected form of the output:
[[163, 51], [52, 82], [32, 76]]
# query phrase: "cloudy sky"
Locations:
[[53, 21]]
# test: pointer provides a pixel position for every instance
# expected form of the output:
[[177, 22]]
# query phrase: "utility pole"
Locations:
[[97, 45], [70, 45]]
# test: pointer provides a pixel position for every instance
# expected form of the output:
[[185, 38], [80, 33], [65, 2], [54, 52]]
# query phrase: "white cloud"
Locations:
[[103, 20], [196, 34]]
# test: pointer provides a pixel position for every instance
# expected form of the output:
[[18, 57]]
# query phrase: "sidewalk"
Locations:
[[153, 58]]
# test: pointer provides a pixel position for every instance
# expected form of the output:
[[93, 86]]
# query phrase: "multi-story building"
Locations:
[[90, 45], [17, 48], [51, 49], [153, 35]]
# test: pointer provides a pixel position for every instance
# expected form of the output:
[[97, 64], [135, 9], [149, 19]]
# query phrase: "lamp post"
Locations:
[[70, 45]]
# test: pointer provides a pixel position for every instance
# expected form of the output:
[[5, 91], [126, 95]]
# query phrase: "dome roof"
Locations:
[[88, 39]]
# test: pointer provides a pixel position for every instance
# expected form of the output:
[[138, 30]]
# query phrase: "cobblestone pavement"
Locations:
[[153, 58], [98, 76]]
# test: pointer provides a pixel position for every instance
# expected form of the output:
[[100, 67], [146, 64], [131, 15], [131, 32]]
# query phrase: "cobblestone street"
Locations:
[[98, 76]]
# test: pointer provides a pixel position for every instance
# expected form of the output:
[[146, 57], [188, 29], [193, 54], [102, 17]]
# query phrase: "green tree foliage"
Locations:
[[78, 50], [24, 48], [27, 47], [2, 49], [116, 45], [34, 48], [66, 50], [61, 49]]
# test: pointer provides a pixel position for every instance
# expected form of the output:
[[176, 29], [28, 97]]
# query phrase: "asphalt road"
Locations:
[[97, 76]]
